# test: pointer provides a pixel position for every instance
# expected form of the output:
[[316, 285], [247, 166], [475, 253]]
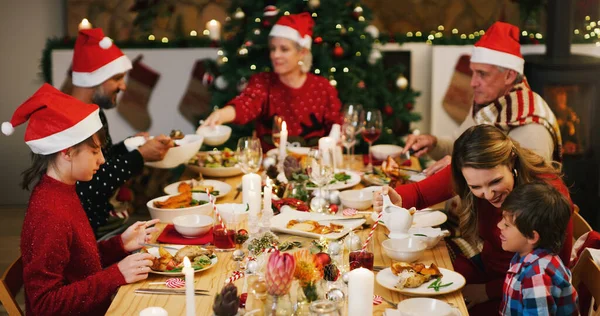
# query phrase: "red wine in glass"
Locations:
[[360, 258], [223, 239], [371, 135]]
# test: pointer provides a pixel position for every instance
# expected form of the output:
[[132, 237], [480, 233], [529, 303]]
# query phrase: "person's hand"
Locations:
[[156, 148], [474, 294], [138, 234], [135, 267], [378, 198], [146, 135], [438, 165], [213, 119], [419, 144]]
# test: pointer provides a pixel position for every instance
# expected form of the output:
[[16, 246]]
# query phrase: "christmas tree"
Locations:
[[343, 51]]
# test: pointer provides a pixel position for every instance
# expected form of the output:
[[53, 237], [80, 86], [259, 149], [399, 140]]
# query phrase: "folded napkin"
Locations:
[[171, 236]]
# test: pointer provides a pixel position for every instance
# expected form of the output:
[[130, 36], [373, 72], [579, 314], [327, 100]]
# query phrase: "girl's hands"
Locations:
[[135, 267], [138, 234]]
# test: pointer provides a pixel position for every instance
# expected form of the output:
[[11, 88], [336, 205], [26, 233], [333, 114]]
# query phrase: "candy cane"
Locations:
[[212, 201], [173, 283], [349, 212], [364, 247], [377, 299], [235, 276]]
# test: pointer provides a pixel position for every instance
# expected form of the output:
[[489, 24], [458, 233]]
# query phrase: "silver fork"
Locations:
[[394, 305]]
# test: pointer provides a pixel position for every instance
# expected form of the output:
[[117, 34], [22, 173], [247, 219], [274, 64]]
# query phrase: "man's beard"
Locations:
[[103, 101]]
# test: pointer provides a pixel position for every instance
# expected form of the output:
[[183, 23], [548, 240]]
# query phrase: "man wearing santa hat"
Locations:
[[99, 69], [502, 97]]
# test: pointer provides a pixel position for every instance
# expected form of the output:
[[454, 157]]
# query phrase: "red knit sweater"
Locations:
[[62, 263], [309, 111], [438, 188]]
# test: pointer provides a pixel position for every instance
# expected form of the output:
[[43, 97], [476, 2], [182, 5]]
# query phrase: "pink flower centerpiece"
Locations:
[[280, 273]]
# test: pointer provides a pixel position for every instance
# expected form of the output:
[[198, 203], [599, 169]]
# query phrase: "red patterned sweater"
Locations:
[[438, 188], [309, 111], [64, 270]]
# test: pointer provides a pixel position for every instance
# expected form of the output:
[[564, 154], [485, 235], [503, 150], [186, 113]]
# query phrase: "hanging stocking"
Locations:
[[67, 86], [195, 103], [459, 96], [133, 106]]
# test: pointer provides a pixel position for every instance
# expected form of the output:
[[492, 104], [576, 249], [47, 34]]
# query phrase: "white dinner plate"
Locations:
[[220, 186], [218, 172], [423, 218], [388, 280], [154, 251], [354, 180], [279, 223]]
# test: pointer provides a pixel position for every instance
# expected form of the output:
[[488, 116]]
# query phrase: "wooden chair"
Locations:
[[580, 226], [10, 284], [588, 272]]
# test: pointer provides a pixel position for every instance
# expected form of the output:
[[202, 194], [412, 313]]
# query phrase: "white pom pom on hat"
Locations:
[[106, 42], [7, 128]]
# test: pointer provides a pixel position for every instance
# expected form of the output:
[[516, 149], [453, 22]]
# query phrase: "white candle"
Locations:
[[267, 195], [84, 25], [327, 144], [214, 27], [361, 286], [251, 188], [190, 302], [283, 136]]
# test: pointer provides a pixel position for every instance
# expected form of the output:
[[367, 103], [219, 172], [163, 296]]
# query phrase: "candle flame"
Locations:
[[85, 24], [213, 22], [186, 262]]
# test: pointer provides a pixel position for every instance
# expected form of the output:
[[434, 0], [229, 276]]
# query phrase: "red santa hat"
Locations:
[[56, 121], [96, 59], [500, 46], [296, 27]]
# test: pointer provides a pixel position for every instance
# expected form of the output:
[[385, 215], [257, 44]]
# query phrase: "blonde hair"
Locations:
[[486, 147], [306, 62]]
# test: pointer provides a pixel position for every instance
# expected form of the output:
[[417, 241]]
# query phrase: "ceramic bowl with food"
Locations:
[[192, 225], [231, 212], [381, 152], [407, 250], [166, 215], [429, 235], [183, 150], [215, 163], [214, 135], [357, 199]]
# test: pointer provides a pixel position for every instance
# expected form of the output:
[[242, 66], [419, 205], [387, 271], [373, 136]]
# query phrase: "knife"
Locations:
[[158, 246], [169, 292]]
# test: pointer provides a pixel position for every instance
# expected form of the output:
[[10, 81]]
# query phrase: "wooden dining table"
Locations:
[[127, 302]]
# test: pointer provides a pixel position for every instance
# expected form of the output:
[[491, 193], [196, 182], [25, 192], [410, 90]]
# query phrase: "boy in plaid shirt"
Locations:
[[534, 220]]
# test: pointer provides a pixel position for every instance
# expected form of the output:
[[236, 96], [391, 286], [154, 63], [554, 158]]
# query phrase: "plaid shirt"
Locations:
[[538, 284]]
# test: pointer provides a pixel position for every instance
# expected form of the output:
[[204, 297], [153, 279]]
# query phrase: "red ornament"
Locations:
[[323, 258], [243, 299], [333, 208], [318, 40], [338, 51], [266, 23], [388, 110], [409, 106], [242, 232], [361, 84]]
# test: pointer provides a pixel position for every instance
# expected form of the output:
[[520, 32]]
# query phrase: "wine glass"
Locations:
[[319, 166], [351, 114], [249, 154], [277, 120], [348, 139], [371, 123]]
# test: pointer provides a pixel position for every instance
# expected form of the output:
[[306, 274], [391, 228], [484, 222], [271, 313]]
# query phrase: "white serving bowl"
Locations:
[[214, 135], [192, 225], [381, 152], [425, 306], [432, 235], [406, 250], [167, 215], [233, 212], [186, 148], [298, 151], [357, 199]]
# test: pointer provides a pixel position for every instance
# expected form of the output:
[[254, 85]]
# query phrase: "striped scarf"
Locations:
[[521, 106]]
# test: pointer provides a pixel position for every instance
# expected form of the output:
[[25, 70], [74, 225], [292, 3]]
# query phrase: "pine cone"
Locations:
[[330, 272], [227, 302], [291, 166]]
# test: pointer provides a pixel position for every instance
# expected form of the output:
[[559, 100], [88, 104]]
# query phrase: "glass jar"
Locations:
[[324, 308], [278, 305]]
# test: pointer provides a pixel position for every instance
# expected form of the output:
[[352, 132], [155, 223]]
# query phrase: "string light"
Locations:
[[587, 17], [351, 29], [346, 69], [597, 30], [418, 34], [338, 26], [476, 33], [257, 20], [193, 33], [593, 24], [358, 54], [314, 15], [576, 31], [481, 32], [225, 59], [333, 82], [538, 36], [151, 37], [588, 27], [471, 36], [440, 27], [361, 19], [164, 40], [206, 32], [463, 36], [409, 34], [524, 33], [332, 69], [317, 71], [363, 36], [597, 44], [454, 31], [586, 36], [220, 52], [286, 13], [252, 67], [430, 37], [438, 34]]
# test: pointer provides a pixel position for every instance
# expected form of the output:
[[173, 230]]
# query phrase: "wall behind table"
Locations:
[[24, 27], [174, 66]]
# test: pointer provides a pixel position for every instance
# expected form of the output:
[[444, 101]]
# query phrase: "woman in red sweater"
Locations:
[[64, 270], [307, 103], [486, 166]]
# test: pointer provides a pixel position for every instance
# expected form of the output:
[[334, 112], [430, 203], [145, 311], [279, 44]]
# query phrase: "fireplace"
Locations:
[[570, 85]]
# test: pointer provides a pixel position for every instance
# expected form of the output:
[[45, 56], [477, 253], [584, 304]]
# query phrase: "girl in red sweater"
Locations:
[[486, 166], [64, 270]]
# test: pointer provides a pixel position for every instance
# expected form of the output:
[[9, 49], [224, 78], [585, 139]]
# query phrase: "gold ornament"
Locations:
[[402, 82], [239, 14]]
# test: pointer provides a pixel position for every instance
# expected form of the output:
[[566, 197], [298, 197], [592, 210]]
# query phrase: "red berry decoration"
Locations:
[[338, 51], [409, 106], [323, 258], [318, 40], [243, 298], [388, 109], [361, 85], [333, 208]]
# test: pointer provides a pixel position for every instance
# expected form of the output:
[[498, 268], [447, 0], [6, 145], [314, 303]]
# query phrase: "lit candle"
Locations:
[[190, 301], [361, 286], [214, 27], [327, 147], [267, 195], [283, 135], [85, 24], [251, 192]]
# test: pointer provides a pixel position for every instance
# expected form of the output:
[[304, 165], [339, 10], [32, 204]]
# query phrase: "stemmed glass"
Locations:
[[351, 114], [319, 166], [371, 123], [348, 140], [277, 120], [249, 154]]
